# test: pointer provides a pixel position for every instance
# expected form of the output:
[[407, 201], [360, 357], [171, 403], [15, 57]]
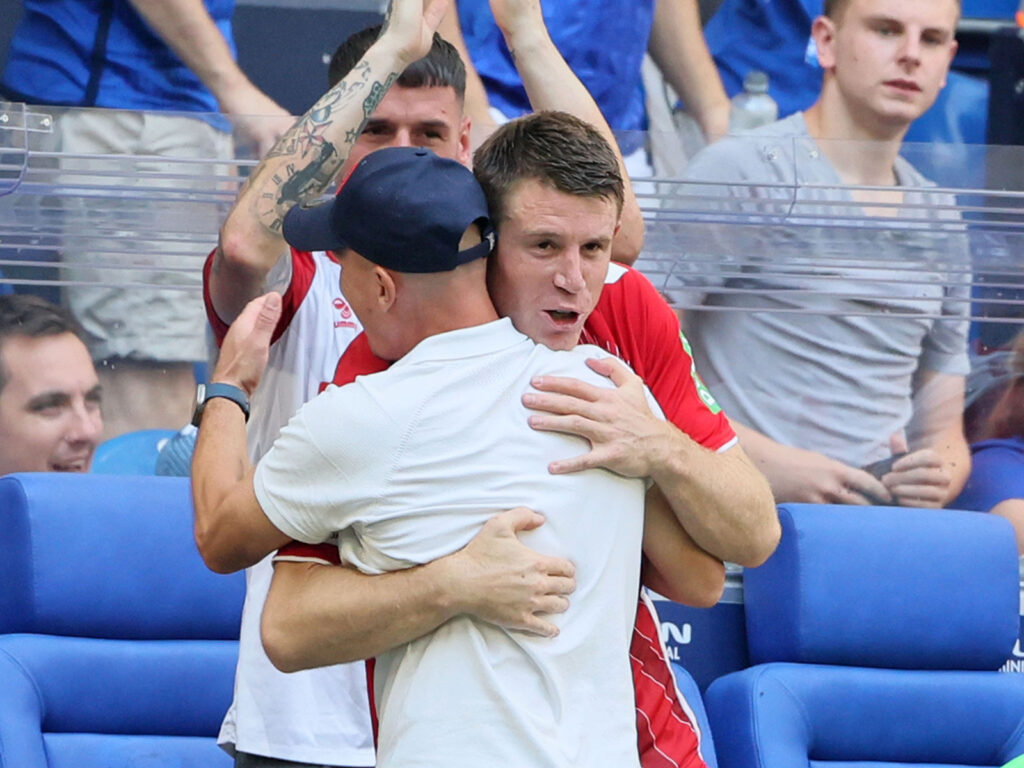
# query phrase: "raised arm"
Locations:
[[308, 157], [477, 104], [230, 528], [551, 84], [318, 614], [188, 29], [677, 46]]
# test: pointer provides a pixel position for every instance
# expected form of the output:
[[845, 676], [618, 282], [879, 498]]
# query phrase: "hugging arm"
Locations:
[[309, 155], [318, 614]]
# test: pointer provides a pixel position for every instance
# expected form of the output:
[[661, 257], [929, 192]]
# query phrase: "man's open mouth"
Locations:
[[563, 316]]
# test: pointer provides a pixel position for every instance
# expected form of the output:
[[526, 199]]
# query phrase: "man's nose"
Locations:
[[569, 277], [86, 424], [911, 50]]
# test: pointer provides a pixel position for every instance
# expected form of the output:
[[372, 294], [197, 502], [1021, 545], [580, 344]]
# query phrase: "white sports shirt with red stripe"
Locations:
[[317, 716], [633, 322]]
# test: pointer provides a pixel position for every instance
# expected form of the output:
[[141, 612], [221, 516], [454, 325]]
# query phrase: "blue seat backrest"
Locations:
[[133, 453], [108, 556], [886, 587], [691, 693]]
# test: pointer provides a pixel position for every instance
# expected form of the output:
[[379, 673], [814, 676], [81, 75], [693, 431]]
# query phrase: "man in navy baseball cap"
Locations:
[[402, 208], [410, 230]]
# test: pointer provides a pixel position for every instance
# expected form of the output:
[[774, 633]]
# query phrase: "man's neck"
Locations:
[[863, 152], [446, 311]]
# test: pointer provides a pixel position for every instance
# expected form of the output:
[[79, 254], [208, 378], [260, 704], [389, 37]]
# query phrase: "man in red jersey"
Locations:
[[551, 275], [726, 507]]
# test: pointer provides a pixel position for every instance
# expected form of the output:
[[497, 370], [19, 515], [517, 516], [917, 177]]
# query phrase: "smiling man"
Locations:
[[49, 393], [849, 385]]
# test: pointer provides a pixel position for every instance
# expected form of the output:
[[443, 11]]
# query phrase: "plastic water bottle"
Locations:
[[752, 107]]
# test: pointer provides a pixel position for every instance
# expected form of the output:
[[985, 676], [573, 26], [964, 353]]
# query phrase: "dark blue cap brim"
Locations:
[[307, 227]]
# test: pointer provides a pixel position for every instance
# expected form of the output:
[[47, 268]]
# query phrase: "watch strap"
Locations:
[[219, 389]]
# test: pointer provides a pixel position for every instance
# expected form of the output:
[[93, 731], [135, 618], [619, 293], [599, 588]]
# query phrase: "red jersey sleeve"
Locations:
[[303, 270], [296, 551], [633, 321]]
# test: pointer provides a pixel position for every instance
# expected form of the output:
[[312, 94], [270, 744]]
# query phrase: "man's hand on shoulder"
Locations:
[[625, 436], [498, 579]]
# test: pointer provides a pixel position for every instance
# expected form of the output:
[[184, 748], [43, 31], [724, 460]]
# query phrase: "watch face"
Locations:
[[197, 411]]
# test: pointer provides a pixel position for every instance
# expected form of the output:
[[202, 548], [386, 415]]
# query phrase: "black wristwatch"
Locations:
[[206, 392]]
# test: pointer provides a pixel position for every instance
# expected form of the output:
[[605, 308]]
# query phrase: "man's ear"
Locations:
[[465, 153], [387, 287], [823, 31]]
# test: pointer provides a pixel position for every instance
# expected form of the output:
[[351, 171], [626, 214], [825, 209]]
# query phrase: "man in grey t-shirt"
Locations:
[[850, 347]]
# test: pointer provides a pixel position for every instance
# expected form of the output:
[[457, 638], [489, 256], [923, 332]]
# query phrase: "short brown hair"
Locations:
[[554, 148], [441, 67], [34, 318]]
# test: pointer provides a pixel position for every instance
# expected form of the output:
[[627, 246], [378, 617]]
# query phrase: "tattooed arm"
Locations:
[[309, 156]]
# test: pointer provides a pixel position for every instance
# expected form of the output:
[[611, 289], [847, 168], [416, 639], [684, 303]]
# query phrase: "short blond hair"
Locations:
[[834, 8]]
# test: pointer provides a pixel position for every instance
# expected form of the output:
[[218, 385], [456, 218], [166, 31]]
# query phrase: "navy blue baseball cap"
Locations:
[[403, 208]]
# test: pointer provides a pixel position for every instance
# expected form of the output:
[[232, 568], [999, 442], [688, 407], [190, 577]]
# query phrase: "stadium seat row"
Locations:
[[875, 636]]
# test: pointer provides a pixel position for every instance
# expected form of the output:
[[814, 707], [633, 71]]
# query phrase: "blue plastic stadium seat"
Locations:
[[876, 633], [119, 646], [691, 694], [133, 453]]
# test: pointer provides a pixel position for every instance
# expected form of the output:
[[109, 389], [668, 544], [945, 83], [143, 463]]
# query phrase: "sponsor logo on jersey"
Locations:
[[346, 314], [702, 391]]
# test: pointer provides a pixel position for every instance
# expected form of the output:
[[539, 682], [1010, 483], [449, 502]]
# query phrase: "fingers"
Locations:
[[561, 585], [588, 460], [560, 574], [433, 12], [517, 519], [559, 405], [924, 458], [909, 495], [269, 313], [566, 385], [859, 487], [919, 479], [538, 626], [898, 443], [613, 368]]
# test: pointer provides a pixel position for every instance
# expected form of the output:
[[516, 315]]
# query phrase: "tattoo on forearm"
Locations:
[[377, 91], [312, 160]]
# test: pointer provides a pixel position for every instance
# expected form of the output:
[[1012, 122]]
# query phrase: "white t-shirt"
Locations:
[[321, 715], [407, 465]]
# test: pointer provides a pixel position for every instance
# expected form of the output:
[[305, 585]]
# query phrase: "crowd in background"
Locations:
[[847, 380]]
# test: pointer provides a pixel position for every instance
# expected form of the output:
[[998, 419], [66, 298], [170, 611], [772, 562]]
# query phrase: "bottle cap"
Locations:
[[756, 81]]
